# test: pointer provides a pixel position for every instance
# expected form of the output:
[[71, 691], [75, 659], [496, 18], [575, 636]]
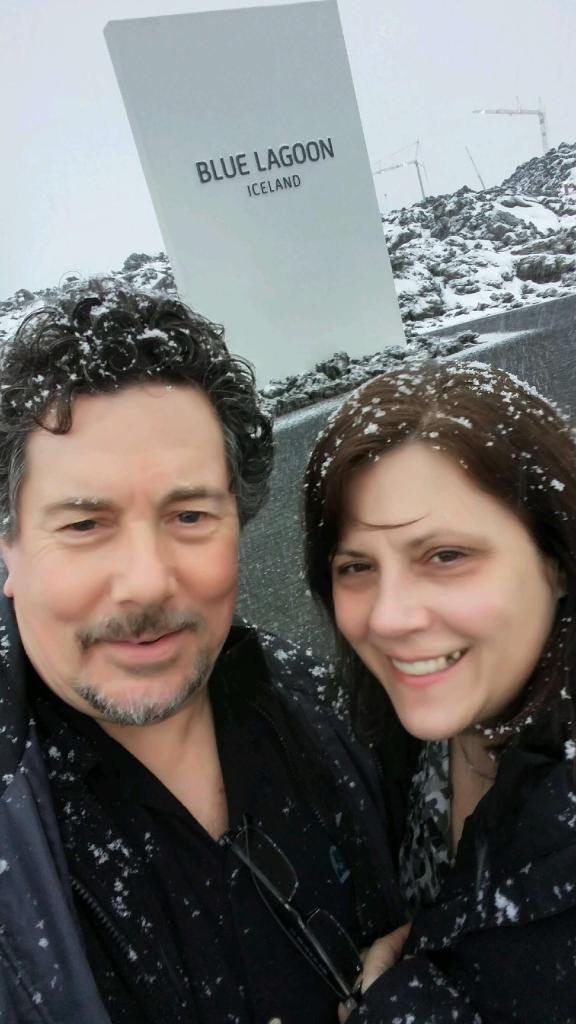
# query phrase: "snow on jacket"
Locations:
[[498, 945], [44, 973]]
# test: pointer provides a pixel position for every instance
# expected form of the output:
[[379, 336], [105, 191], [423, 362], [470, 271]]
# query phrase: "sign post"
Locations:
[[248, 130]]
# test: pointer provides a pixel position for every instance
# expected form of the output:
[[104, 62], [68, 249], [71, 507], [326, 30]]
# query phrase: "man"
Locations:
[[186, 833]]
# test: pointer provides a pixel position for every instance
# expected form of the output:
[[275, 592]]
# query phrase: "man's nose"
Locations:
[[144, 572], [401, 605]]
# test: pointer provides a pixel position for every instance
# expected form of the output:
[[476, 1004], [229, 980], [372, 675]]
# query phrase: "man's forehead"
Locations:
[[170, 434], [162, 395], [177, 411]]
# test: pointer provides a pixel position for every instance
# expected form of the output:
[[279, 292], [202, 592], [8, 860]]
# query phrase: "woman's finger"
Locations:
[[384, 953]]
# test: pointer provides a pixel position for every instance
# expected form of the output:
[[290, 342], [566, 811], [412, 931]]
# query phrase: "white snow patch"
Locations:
[[531, 212], [570, 750], [506, 905]]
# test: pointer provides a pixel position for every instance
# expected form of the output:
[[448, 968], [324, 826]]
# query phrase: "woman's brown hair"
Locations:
[[515, 445]]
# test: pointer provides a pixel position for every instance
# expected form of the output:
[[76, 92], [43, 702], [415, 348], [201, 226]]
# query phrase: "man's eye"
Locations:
[[82, 526], [190, 518]]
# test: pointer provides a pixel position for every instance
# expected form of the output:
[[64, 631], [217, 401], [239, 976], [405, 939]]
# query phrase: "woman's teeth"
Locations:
[[424, 668]]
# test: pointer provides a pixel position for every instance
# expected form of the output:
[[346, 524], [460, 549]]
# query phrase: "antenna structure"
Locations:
[[538, 112]]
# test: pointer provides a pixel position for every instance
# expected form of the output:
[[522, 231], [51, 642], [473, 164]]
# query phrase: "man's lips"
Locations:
[[145, 649], [146, 639]]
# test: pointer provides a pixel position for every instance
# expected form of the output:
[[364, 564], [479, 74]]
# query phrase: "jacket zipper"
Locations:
[[103, 919], [110, 928]]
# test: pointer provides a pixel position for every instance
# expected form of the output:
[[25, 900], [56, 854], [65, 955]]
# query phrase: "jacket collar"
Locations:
[[13, 712], [15, 669]]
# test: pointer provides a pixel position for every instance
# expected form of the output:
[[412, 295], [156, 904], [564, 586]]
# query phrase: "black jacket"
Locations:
[[498, 946], [44, 972]]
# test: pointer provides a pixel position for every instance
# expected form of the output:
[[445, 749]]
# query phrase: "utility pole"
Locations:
[[406, 163], [473, 162], [539, 112]]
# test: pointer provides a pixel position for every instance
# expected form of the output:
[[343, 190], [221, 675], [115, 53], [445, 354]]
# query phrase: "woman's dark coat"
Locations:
[[498, 946]]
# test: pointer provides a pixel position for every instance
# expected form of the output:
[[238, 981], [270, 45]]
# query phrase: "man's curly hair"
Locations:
[[102, 337]]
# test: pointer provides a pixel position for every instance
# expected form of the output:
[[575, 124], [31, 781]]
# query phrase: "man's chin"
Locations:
[[140, 704]]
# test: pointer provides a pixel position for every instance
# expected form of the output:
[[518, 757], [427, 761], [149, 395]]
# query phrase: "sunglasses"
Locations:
[[317, 934]]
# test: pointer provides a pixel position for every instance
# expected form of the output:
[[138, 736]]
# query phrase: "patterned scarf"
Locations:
[[425, 854]]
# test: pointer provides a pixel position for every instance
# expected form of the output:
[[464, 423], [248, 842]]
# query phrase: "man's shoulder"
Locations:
[[290, 669], [306, 697], [293, 685]]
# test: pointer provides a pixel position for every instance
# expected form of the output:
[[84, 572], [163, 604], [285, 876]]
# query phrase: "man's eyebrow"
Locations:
[[79, 504], [195, 494], [93, 504]]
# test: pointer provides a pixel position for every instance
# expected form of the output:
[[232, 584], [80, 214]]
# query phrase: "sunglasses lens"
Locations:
[[339, 948], [271, 864], [319, 936]]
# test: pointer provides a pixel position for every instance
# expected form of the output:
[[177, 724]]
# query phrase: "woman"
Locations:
[[441, 539]]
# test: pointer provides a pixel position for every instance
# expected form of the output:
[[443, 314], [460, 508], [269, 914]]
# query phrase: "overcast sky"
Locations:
[[72, 194]]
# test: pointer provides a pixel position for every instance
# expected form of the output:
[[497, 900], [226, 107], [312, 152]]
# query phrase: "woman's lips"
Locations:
[[421, 672]]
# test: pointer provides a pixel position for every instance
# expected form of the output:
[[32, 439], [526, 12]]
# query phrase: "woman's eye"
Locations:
[[351, 568], [447, 555]]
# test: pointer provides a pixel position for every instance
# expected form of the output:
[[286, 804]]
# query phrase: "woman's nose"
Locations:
[[400, 606]]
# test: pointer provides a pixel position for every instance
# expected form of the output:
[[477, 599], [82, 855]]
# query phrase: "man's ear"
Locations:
[[557, 578], [6, 556]]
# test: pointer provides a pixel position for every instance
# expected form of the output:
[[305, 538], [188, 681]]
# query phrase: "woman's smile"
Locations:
[[425, 671]]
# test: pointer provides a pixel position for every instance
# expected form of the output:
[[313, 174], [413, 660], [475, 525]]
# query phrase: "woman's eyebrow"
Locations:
[[349, 552], [415, 542]]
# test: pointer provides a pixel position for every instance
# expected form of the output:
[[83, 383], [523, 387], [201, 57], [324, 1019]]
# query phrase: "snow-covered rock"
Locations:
[[453, 257], [139, 270], [471, 252]]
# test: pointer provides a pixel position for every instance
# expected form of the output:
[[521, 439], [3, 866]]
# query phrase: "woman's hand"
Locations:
[[382, 955]]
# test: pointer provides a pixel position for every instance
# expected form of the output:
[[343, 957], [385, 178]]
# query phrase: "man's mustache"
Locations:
[[155, 620]]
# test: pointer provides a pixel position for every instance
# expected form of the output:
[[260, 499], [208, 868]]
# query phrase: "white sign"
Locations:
[[249, 135]]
